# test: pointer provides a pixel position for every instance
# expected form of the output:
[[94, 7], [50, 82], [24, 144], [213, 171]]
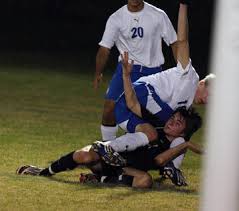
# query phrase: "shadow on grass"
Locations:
[[159, 186]]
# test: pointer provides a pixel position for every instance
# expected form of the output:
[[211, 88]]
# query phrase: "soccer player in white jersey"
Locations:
[[160, 94], [137, 28]]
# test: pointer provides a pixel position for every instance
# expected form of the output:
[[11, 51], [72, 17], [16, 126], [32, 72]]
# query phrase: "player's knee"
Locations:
[[148, 130], [152, 135], [144, 181], [84, 157]]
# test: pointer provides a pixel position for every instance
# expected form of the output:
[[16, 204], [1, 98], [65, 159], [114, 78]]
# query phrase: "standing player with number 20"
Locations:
[[137, 28]]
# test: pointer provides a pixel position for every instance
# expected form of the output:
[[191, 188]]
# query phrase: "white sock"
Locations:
[[108, 132], [129, 142]]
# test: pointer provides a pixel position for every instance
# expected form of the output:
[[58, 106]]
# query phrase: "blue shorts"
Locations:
[[122, 113], [116, 87]]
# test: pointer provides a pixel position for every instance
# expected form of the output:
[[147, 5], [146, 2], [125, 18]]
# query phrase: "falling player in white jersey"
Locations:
[[160, 94], [137, 28]]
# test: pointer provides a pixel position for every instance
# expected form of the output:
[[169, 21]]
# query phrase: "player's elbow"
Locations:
[[84, 157], [103, 53], [182, 44], [160, 161], [132, 106], [130, 100]]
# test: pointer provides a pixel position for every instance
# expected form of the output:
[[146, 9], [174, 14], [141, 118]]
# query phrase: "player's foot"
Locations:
[[29, 170], [107, 153], [89, 178], [175, 175]]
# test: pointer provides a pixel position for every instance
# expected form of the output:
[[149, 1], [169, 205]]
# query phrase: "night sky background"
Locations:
[[48, 31]]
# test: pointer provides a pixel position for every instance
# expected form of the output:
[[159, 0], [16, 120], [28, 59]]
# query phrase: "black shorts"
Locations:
[[141, 159]]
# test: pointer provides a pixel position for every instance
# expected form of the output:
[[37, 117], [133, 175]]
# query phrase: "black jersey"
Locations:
[[143, 157]]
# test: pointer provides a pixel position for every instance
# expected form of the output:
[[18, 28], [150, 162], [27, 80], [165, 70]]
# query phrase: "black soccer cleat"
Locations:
[[29, 170], [174, 174], [107, 154]]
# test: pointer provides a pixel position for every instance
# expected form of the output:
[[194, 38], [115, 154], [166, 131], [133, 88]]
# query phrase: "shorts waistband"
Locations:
[[145, 70]]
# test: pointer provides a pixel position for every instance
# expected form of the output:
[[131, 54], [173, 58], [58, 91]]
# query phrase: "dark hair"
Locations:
[[193, 121]]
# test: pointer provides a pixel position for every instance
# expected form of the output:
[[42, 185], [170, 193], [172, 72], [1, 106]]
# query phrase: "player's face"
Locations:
[[175, 125], [201, 96], [135, 4]]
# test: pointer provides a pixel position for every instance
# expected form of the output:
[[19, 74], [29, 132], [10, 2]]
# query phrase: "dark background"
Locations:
[[53, 32]]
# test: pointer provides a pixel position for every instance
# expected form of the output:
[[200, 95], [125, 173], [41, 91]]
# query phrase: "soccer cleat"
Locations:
[[107, 153], [174, 174], [88, 178], [29, 170]]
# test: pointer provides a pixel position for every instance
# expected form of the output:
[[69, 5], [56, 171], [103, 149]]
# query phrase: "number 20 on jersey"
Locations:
[[137, 32]]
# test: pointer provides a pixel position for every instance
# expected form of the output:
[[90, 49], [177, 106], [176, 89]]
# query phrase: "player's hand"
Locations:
[[126, 66], [97, 80], [175, 175]]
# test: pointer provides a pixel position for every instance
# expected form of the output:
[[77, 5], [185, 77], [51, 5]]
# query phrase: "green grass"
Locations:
[[45, 114]]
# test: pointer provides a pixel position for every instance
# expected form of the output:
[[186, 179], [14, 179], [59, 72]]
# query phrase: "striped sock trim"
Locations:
[[50, 170]]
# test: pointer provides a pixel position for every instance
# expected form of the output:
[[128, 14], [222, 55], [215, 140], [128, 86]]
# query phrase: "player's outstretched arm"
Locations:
[[130, 96], [182, 43], [101, 60], [173, 152], [195, 148], [170, 154]]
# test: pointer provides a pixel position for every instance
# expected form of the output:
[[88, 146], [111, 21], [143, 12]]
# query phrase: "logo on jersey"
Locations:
[[137, 32], [182, 102]]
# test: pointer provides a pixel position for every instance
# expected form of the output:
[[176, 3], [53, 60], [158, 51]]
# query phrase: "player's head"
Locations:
[[135, 3], [202, 92], [183, 123], [193, 122]]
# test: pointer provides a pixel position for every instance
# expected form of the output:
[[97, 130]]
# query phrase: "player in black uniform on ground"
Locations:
[[138, 162]]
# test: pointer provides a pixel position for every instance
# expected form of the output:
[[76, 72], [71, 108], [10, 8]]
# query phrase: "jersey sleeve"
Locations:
[[187, 86], [168, 33], [178, 160], [160, 109], [187, 68], [111, 33]]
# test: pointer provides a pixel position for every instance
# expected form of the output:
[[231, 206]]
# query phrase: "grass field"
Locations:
[[45, 114]]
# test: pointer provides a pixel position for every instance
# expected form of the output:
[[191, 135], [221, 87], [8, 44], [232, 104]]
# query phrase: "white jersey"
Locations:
[[140, 34], [175, 86]]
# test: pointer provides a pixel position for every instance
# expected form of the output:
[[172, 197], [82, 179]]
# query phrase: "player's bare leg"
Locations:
[[108, 117], [148, 130], [144, 134], [84, 156], [141, 179], [108, 127]]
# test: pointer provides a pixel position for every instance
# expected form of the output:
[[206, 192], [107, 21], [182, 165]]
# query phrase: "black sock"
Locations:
[[121, 179], [45, 172], [66, 162]]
